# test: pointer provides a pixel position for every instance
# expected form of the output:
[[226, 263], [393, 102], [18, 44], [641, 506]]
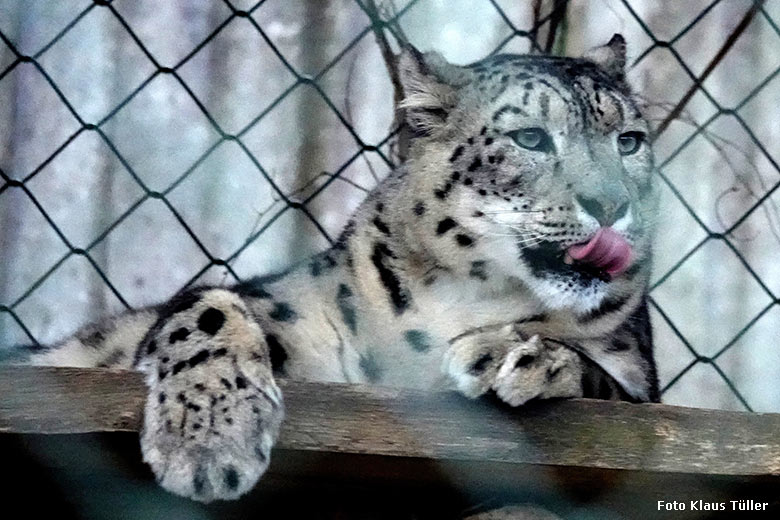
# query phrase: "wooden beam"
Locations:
[[361, 420]]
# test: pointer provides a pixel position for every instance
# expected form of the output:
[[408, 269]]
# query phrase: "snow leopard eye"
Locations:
[[630, 142], [532, 138]]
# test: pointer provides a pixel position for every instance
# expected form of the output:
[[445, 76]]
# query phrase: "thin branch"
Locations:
[[557, 16], [293, 196], [391, 63], [720, 143], [732, 38], [389, 11], [537, 15]]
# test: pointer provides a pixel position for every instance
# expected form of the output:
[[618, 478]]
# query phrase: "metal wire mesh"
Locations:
[[19, 180]]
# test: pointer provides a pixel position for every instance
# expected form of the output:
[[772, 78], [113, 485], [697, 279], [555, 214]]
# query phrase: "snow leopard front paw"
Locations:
[[516, 368], [209, 442], [473, 360], [213, 411], [538, 369]]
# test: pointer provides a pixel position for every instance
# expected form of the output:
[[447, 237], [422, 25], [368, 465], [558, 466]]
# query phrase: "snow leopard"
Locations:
[[508, 255]]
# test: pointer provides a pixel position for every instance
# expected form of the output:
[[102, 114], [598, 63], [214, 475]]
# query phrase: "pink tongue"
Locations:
[[607, 250]]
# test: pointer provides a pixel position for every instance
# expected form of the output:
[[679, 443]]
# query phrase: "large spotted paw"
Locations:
[[537, 369], [517, 369], [214, 410], [473, 360]]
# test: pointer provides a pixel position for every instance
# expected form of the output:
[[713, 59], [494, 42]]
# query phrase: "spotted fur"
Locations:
[[450, 275]]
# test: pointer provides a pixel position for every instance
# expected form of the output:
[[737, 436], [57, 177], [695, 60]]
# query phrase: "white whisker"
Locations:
[[525, 232], [524, 236], [530, 244], [505, 211], [530, 238], [494, 234]]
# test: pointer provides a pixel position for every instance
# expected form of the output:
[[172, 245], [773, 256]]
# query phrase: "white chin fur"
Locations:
[[557, 295]]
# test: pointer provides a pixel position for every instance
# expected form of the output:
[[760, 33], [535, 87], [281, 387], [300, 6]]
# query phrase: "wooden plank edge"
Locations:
[[355, 419]]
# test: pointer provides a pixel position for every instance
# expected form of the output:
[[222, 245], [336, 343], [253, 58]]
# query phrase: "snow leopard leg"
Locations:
[[519, 368], [108, 343], [213, 410]]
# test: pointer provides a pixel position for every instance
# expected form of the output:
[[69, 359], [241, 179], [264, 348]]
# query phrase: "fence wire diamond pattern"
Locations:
[[21, 180]]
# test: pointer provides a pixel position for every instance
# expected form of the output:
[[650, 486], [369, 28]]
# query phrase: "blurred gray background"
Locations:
[[149, 145]]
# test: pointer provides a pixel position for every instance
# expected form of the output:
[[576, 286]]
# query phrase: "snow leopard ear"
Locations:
[[430, 85], [611, 57]]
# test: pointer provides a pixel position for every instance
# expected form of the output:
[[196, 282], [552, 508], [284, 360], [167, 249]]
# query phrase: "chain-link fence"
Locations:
[[552, 23]]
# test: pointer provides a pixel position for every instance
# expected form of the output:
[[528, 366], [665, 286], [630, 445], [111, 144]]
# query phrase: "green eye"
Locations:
[[533, 138], [630, 142]]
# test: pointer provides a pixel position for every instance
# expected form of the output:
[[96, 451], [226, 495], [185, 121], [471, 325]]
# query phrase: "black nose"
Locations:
[[605, 214]]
